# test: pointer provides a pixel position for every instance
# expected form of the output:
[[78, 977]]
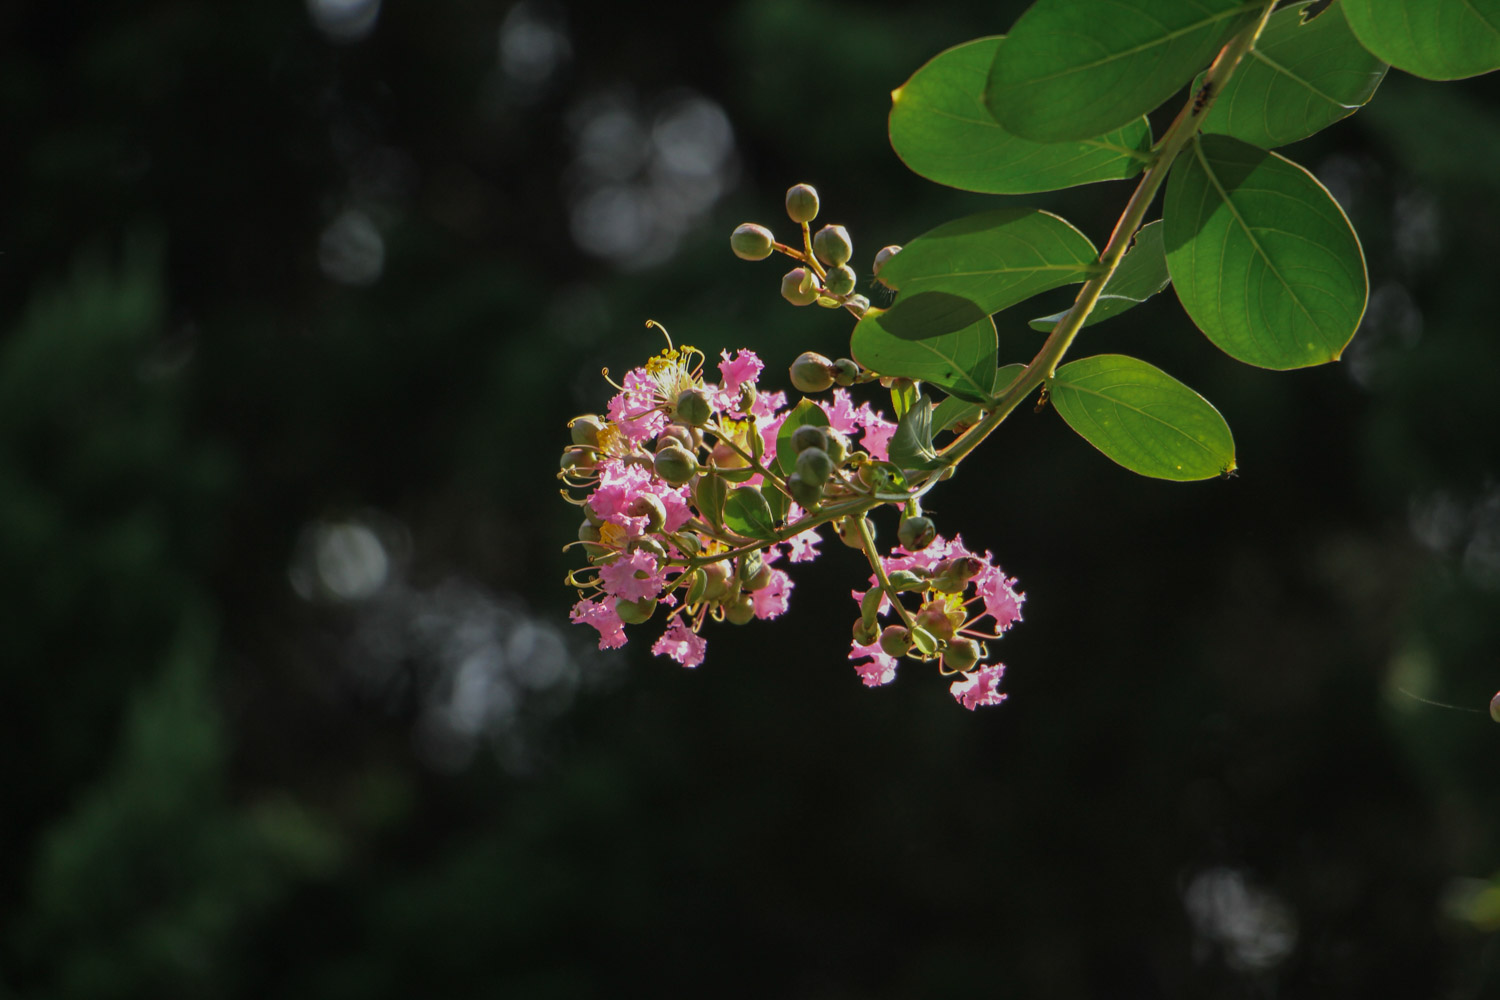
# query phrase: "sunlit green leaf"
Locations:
[[804, 413], [942, 130], [1436, 39], [961, 363], [911, 445], [1298, 79], [1141, 274], [1143, 418], [976, 266], [746, 513], [1074, 69], [709, 494], [953, 411], [1262, 257]]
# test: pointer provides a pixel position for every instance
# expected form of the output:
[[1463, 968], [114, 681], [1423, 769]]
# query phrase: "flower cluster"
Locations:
[[696, 494]]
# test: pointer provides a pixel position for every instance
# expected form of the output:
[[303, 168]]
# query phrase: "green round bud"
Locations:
[[750, 564], [951, 576], [840, 280], [678, 435], [916, 533], [634, 612], [838, 448], [885, 254], [759, 581], [895, 640], [725, 457], [751, 242], [814, 465], [905, 579], [802, 203], [651, 545], [577, 459], [809, 436], [675, 464], [585, 430], [692, 407], [588, 532], [800, 287], [848, 531], [831, 245], [741, 611], [865, 632], [960, 656], [934, 618], [811, 372], [807, 494], [845, 372], [697, 584], [649, 506], [716, 575], [748, 394]]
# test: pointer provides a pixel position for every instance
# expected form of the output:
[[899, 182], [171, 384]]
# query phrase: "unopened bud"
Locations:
[[585, 430], [960, 656], [678, 435], [809, 436], [864, 633], [814, 465], [588, 531], [577, 459], [697, 584], [741, 611], [838, 448], [840, 280], [675, 464], [716, 577], [748, 394], [800, 286], [952, 575], [812, 372], [802, 203], [759, 581], [905, 579], [885, 254], [807, 494], [934, 618], [916, 533], [725, 457], [634, 612], [752, 242], [848, 531], [832, 246], [751, 563], [845, 372], [895, 640], [692, 407], [858, 304], [647, 505]]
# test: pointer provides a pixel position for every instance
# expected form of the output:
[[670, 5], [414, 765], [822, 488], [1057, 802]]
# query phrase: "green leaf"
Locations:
[[953, 411], [1141, 274], [911, 445], [887, 481], [961, 363], [1074, 69], [708, 495], [1300, 78], [1143, 418], [942, 130], [980, 265], [804, 413], [746, 513], [1435, 39], [1262, 257]]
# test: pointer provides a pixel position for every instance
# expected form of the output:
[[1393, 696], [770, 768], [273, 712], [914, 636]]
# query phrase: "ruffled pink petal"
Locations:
[[681, 644], [601, 615], [878, 669], [982, 687], [775, 597], [633, 577]]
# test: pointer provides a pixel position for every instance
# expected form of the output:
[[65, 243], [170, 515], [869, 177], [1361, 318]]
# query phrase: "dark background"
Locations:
[[294, 305]]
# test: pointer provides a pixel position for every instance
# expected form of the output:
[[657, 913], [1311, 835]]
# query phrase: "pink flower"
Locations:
[[774, 598], [1000, 598], [842, 416], [635, 411], [878, 431], [681, 644], [745, 367], [879, 669], [601, 615], [768, 404], [633, 577], [982, 687], [801, 547]]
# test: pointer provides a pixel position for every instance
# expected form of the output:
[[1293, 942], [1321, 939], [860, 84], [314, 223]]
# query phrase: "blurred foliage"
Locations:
[[217, 787]]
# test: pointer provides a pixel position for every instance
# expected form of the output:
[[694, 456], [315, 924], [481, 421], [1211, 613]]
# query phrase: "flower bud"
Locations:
[[924, 641], [814, 465], [697, 584], [634, 612], [577, 459], [809, 436], [848, 531], [759, 581], [952, 575], [916, 533], [864, 633], [800, 286], [885, 254], [751, 563], [725, 457], [905, 579], [651, 545], [692, 407], [688, 544], [716, 577], [840, 280], [960, 656], [807, 494], [895, 640], [678, 435], [838, 448], [858, 303], [675, 464], [812, 372], [741, 611], [588, 532], [845, 372], [748, 394], [649, 506], [751, 242], [802, 203], [832, 246], [869, 606], [585, 430], [934, 618]]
